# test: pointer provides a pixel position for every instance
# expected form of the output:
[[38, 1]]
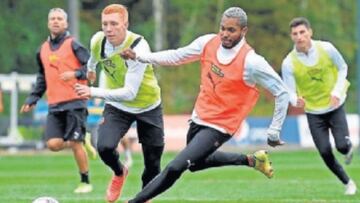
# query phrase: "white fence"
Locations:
[[14, 83]]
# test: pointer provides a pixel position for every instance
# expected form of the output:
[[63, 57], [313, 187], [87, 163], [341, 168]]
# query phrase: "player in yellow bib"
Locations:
[[315, 73], [131, 93]]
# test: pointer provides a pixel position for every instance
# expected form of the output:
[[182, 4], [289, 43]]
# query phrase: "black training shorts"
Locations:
[[68, 125]]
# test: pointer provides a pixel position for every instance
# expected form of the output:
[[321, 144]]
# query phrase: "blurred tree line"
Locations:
[[23, 25]]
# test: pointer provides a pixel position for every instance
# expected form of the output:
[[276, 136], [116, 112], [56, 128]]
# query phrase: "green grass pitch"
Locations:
[[300, 176]]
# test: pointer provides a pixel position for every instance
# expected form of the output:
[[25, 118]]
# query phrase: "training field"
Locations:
[[300, 176]]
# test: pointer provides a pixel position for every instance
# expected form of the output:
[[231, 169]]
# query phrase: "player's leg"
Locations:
[[116, 124], [203, 143], [75, 132], [319, 128], [152, 160], [126, 145], [340, 131], [150, 128], [55, 130], [217, 158], [259, 160], [90, 149], [83, 165]]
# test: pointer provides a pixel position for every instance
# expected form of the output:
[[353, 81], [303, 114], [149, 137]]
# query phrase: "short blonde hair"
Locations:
[[117, 8], [58, 10]]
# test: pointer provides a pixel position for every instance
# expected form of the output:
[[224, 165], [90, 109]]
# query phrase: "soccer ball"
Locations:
[[45, 200]]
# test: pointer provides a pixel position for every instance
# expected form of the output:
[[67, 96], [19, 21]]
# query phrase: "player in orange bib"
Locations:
[[230, 70], [62, 63]]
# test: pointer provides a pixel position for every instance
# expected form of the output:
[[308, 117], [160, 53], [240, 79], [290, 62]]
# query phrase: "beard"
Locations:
[[230, 44]]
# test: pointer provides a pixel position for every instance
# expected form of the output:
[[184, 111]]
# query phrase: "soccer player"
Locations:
[[315, 73], [230, 69], [132, 94], [62, 63]]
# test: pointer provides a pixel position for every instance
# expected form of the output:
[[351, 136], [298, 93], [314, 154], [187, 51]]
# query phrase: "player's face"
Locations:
[[57, 23], [301, 36], [114, 28], [230, 32]]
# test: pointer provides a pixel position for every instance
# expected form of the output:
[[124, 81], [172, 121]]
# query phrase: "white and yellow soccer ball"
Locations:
[[45, 200]]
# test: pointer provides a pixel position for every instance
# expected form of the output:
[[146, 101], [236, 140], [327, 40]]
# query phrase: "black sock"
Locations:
[[85, 177]]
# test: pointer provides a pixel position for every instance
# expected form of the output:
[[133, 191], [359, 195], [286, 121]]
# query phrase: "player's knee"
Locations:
[[343, 148], [54, 146], [105, 148], [75, 145]]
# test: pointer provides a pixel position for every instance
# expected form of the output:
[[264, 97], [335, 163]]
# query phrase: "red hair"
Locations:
[[117, 8]]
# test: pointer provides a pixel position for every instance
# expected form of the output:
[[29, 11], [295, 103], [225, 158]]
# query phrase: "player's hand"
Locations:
[[82, 90], [300, 103], [26, 108], [128, 54], [334, 101], [91, 76], [68, 75]]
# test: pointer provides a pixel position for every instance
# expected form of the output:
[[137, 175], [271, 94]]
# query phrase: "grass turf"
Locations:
[[300, 176]]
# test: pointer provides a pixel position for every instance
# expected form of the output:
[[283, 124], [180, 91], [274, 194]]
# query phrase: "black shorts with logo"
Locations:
[[68, 125]]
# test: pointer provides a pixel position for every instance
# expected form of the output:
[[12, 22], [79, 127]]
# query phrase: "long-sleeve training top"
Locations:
[[39, 89], [310, 59], [256, 71], [134, 76]]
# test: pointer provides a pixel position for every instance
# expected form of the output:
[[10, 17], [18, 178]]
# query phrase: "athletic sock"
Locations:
[[85, 177]]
